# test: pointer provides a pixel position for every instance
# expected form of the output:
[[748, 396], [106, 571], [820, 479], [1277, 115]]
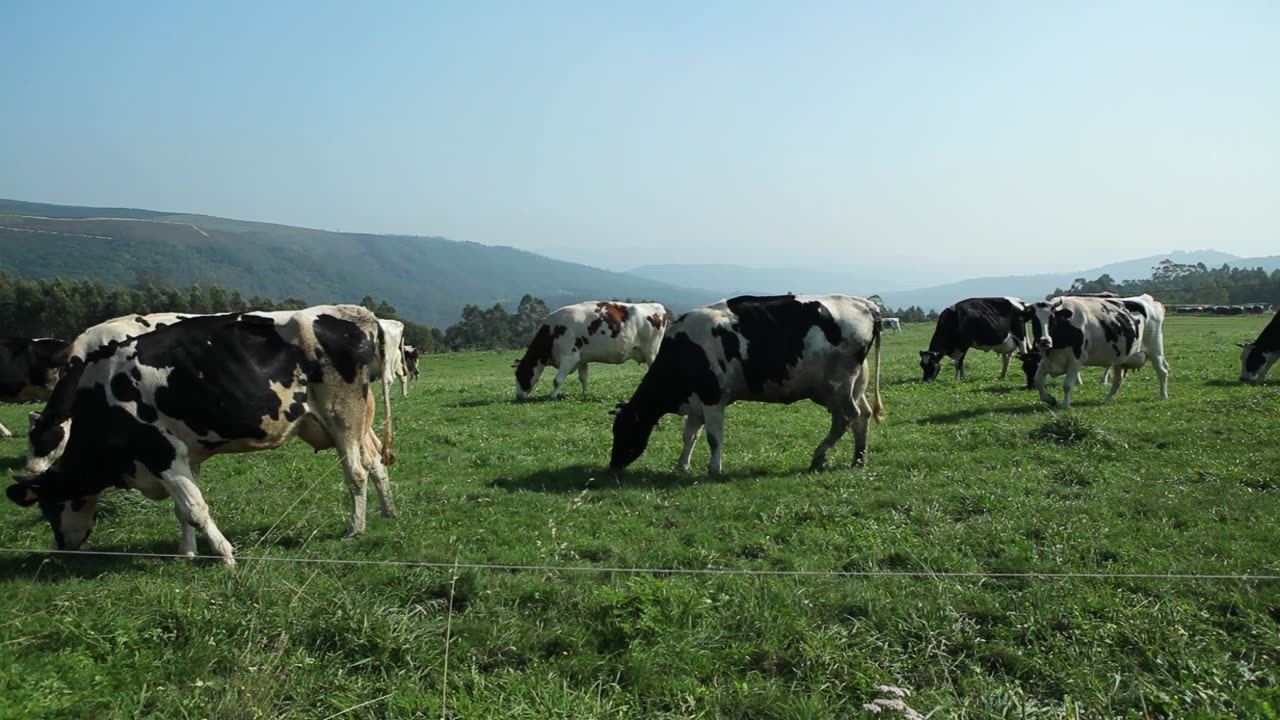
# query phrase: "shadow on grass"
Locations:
[[969, 414], [576, 478], [1005, 389], [486, 402], [1220, 382]]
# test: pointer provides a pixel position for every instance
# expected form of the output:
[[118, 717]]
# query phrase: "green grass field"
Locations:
[[977, 476]]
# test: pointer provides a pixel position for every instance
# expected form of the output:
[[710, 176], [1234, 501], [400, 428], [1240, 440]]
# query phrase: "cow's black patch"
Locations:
[[1065, 335], [775, 329], [221, 370], [298, 408], [1134, 306], [124, 389], [142, 321], [147, 413], [346, 344], [729, 343]]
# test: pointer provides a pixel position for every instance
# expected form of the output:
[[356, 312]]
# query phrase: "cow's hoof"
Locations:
[[228, 560], [4, 432], [818, 465], [351, 533], [390, 513]]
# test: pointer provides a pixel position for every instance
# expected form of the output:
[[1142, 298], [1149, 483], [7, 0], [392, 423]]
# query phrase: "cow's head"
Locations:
[[931, 364], [1030, 365], [630, 436], [1043, 315], [71, 518], [1254, 363], [527, 374]]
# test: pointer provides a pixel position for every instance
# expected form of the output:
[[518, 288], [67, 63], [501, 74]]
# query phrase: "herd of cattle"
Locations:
[[153, 396]]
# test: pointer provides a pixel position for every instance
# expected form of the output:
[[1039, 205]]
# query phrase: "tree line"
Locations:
[[64, 308], [1184, 284]]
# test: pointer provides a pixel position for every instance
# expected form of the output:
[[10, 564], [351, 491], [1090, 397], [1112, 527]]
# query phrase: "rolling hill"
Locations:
[[428, 279]]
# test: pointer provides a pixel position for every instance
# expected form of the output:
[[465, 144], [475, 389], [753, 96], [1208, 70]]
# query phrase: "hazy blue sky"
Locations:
[[967, 137]]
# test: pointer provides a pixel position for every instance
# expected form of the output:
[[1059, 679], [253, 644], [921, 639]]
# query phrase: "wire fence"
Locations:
[[607, 569]]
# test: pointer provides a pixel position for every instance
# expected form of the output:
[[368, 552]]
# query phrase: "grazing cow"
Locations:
[[150, 409], [994, 324], [1257, 357], [894, 324], [1031, 358], [602, 332], [1116, 333], [397, 366], [766, 349], [411, 355], [29, 369]]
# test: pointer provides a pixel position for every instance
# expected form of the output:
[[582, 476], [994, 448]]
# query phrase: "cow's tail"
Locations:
[[877, 404], [388, 455]]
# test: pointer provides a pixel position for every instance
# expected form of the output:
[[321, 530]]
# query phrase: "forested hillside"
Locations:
[[429, 279]]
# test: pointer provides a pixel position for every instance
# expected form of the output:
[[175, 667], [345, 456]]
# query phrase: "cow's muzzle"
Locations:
[[1044, 343]]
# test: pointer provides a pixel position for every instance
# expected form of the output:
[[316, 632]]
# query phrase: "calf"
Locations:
[[29, 370], [1115, 333], [894, 324], [602, 332], [150, 409], [1257, 357], [765, 349], [994, 324]]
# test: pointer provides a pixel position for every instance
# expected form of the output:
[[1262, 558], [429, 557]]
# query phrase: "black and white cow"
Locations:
[[397, 366], [411, 356], [148, 410], [1257, 357], [29, 369], [1031, 358], [1115, 333], [891, 323], [765, 349], [594, 331], [994, 324]]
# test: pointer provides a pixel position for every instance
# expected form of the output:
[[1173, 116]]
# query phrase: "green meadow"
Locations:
[[972, 477]]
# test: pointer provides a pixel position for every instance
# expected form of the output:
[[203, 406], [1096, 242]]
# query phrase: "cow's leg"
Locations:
[[1117, 377], [567, 366], [381, 479], [713, 417], [4, 432], [1161, 366], [404, 385], [960, 367], [189, 504], [861, 424], [692, 428], [582, 377], [839, 426], [1042, 378], [1071, 379], [1004, 365], [357, 484]]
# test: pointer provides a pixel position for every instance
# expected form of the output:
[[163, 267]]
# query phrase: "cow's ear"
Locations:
[[515, 363], [617, 409], [1062, 313], [924, 353], [1242, 345], [23, 492]]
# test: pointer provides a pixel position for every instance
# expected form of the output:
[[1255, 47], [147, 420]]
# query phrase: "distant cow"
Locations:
[[994, 324], [397, 366], [1257, 357], [1115, 333], [766, 349], [599, 332], [149, 410], [29, 369], [894, 324], [411, 355]]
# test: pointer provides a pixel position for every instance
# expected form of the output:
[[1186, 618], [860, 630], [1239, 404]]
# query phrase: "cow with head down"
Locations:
[[590, 332], [776, 349], [30, 369], [1115, 333], [994, 324], [1257, 357], [149, 409]]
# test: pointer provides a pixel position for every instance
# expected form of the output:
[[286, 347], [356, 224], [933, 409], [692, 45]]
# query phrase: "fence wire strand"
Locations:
[[506, 567]]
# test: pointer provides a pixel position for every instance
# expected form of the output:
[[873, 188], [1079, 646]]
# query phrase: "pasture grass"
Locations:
[[963, 477]]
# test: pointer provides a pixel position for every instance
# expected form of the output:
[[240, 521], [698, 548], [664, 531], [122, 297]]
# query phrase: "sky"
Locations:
[[932, 138]]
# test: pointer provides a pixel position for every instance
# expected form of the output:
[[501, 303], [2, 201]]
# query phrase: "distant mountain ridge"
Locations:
[[726, 280], [428, 279]]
